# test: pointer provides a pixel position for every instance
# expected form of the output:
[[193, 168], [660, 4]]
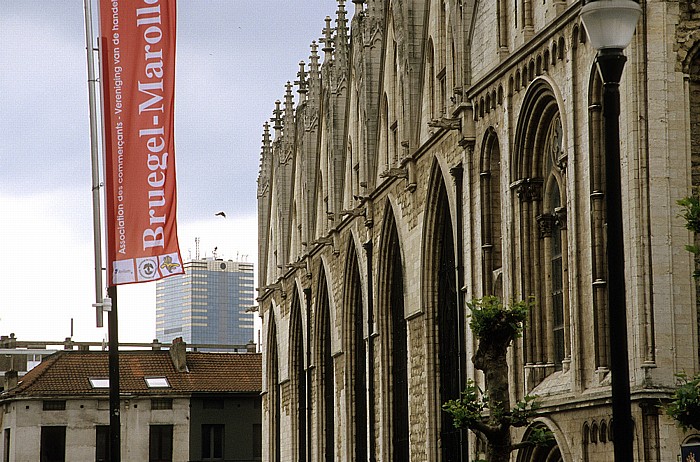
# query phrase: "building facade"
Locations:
[[444, 150], [209, 304], [176, 406]]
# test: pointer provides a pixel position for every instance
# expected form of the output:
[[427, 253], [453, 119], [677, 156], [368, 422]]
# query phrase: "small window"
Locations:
[[99, 383], [55, 405], [157, 382], [161, 403], [6, 446]]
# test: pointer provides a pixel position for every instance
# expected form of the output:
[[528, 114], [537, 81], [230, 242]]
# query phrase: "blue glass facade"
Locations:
[[207, 305]]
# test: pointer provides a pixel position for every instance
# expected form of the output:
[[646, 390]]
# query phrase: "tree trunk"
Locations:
[[490, 358]]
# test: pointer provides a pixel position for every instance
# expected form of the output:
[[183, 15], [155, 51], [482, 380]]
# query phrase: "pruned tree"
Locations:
[[489, 412]]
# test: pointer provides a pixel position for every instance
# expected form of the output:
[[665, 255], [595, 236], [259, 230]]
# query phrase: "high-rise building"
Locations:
[[207, 305]]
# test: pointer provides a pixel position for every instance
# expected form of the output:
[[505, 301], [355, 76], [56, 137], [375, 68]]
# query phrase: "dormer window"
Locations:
[[157, 382], [99, 382]]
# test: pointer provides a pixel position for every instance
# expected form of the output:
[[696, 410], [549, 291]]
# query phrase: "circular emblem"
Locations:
[[147, 269]]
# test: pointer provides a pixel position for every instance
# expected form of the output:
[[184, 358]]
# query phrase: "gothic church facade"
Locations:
[[438, 151]]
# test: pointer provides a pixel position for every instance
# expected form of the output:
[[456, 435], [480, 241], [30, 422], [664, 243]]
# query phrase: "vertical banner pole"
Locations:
[[94, 151], [114, 401]]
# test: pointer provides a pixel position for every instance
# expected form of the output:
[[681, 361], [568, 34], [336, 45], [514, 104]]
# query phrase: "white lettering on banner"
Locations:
[[156, 159]]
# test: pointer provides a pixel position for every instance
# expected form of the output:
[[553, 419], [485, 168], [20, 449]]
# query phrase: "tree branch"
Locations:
[[522, 445], [489, 431]]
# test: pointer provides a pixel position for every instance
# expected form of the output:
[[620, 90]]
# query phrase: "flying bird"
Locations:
[[220, 214]]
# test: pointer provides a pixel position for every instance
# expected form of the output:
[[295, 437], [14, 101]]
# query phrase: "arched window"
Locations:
[[449, 327], [540, 169], [550, 453], [430, 80], [491, 241], [395, 328], [273, 391], [384, 163], [556, 271], [356, 348], [299, 377], [327, 370], [597, 207]]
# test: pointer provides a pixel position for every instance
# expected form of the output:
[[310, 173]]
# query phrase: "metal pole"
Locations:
[[610, 63], [94, 151], [114, 404]]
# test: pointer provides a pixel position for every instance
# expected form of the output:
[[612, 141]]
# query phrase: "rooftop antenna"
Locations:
[[196, 248]]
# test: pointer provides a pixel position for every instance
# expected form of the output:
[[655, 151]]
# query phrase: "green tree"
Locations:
[[489, 412], [685, 402]]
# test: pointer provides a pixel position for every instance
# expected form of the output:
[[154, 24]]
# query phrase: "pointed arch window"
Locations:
[[598, 235], [353, 300], [327, 372], [273, 392], [394, 327], [491, 240], [297, 344], [557, 284], [540, 165], [450, 326]]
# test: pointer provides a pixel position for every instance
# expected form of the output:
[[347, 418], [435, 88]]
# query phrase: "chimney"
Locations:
[[11, 379], [178, 354], [251, 347]]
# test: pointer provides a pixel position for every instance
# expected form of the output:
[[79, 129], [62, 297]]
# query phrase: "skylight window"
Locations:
[[157, 382], [99, 382]]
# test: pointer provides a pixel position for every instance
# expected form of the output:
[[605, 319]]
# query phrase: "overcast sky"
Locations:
[[233, 59]]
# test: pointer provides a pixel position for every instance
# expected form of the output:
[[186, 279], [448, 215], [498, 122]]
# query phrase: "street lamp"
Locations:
[[610, 25]]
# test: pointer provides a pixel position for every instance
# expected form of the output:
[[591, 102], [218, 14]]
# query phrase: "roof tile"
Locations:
[[66, 373]]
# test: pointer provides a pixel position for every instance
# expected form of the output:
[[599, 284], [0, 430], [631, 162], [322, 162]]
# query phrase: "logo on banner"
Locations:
[[124, 272], [171, 264], [148, 268]]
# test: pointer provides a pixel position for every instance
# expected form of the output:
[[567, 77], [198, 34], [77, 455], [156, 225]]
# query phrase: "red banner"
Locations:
[[137, 45]]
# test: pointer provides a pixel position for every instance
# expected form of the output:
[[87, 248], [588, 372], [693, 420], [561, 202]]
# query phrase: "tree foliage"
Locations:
[[691, 214], [685, 403], [489, 412]]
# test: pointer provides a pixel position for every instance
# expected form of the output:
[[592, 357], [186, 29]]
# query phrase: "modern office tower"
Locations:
[[207, 305]]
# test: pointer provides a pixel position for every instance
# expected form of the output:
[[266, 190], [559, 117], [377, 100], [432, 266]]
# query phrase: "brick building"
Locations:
[[443, 150], [175, 405]]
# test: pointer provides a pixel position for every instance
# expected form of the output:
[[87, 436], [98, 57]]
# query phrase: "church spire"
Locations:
[[277, 119], [302, 82], [327, 40]]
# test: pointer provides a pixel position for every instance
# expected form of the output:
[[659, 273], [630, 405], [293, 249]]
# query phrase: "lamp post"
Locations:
[[610, 25]]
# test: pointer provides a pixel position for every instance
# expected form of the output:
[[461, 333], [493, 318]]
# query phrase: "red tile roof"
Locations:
[[66, 373]]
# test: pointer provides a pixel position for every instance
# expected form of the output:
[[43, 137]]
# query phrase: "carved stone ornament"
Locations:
[[446, 123], [529, 189], [546, 222], [560, 215]]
